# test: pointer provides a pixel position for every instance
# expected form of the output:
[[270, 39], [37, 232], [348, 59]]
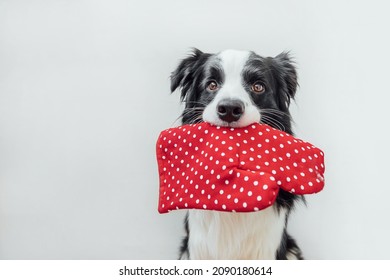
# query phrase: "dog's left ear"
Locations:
[[287, 79]]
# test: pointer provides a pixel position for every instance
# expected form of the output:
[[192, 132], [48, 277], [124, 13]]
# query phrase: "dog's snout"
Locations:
[[230, 110]]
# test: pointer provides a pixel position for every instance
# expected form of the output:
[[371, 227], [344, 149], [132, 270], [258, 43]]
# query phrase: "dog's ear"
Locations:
[[185, 73], [287, 79]]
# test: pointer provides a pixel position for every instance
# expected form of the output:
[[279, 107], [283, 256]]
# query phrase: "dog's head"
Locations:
[[236, 88]]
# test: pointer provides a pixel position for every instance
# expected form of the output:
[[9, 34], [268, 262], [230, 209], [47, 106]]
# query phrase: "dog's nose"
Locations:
[[230, 110]]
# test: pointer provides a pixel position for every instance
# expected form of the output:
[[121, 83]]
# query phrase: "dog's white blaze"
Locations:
[[232, 62], [223, 235]]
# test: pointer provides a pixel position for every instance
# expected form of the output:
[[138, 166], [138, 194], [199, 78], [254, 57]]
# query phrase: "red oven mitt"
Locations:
[[202, 166]]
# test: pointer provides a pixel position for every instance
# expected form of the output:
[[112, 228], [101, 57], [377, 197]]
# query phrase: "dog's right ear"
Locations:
[[184, 74], [286, 77]]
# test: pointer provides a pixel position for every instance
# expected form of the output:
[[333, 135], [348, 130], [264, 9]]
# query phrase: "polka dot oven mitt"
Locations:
[[202, 166]]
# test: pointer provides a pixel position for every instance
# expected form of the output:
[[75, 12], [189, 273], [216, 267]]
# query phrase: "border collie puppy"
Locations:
[[236, 88]]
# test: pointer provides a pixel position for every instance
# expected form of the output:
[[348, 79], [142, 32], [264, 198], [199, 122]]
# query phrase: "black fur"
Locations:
[[280, 79], [288, 246]]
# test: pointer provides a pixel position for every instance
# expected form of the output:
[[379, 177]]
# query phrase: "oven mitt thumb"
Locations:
[[202, 166]]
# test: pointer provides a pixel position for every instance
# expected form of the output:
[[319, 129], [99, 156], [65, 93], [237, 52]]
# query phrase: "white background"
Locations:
[[84, 92]]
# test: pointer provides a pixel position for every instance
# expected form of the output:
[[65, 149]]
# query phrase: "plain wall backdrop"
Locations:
[[84, 93]]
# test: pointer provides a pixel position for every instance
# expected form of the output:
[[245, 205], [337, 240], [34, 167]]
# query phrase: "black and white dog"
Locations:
[[236, 88]]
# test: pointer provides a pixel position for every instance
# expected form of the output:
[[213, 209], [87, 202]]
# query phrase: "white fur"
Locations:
[[223, 235], [232, 62]]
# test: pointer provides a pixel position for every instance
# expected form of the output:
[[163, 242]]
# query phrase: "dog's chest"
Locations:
[[222, 235]]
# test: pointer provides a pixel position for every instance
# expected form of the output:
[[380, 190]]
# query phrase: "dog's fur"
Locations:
[[206, 81]]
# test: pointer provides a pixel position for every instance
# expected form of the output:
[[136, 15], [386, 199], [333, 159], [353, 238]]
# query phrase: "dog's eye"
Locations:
[[258, 88], [212, 86]]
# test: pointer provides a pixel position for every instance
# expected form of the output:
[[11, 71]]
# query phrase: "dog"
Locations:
[[236, 88]]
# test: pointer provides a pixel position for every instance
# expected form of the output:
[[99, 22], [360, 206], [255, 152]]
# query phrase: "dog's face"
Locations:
[[236, 88]]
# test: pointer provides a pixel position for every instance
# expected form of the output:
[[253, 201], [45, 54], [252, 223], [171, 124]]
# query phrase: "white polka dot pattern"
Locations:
[[208, 167]]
